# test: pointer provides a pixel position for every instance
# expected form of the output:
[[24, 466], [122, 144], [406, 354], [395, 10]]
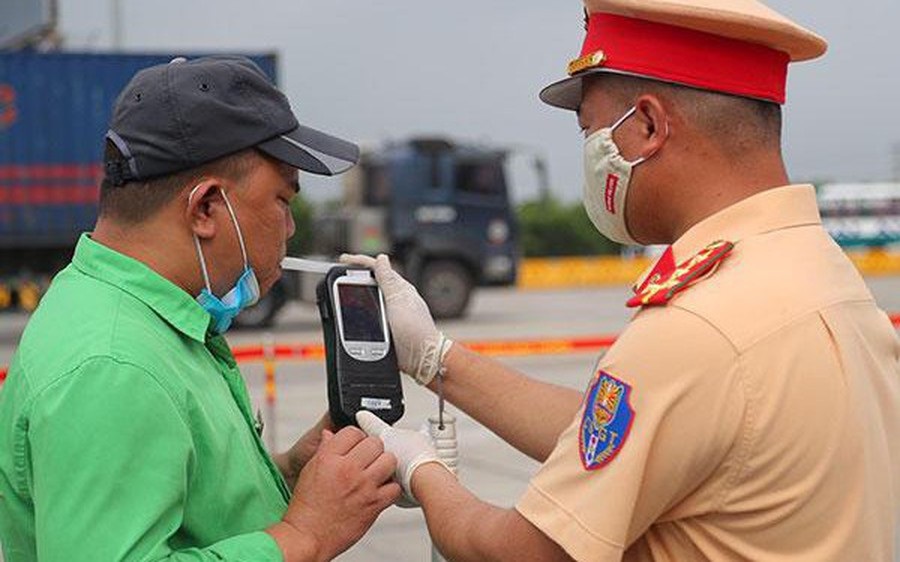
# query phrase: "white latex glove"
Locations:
[[420, 346], [412, 449]]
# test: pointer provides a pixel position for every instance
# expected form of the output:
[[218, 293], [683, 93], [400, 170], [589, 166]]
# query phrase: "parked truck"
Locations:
[[441, 209]]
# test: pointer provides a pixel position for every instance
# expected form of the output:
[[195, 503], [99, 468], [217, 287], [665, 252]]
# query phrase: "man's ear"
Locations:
[[654, 120], [204, 202]]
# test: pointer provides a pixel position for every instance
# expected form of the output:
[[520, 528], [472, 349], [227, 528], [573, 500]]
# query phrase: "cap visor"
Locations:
[[565, 94], [312, 151]]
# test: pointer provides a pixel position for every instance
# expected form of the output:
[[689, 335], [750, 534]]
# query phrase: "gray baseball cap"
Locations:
[[176, 116]]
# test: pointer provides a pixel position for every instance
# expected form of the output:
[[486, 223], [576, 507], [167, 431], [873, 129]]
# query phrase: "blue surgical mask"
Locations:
[[244, 293]]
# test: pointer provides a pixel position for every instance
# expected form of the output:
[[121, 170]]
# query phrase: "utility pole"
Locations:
[[896, 161], [52, 39], [540, 168], [116, 17]]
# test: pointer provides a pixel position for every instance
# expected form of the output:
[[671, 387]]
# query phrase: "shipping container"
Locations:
[[54, 112]]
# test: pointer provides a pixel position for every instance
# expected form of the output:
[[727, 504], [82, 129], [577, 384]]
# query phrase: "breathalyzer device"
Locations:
[[359, 354]]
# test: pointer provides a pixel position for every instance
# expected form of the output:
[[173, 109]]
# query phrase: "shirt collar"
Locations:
[[169, 301], [767, 211]]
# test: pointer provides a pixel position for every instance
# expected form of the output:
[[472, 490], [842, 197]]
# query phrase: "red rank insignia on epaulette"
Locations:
[[665, 282]]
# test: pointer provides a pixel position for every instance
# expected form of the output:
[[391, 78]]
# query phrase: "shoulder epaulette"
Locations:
[[665, 282]]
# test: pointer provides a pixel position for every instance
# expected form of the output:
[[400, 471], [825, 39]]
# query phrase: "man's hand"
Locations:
[[411, 448], [291, 462], [420, 346], [338, 496]]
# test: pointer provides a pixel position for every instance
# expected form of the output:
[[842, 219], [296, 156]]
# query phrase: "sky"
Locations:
[[372, 71]]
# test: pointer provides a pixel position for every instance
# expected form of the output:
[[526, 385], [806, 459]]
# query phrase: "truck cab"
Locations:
[[441, 210]]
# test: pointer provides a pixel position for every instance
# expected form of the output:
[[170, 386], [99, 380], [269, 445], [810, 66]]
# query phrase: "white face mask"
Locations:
[[606, 178]]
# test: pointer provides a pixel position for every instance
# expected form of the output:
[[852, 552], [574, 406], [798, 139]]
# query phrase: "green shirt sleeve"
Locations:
[[111, 465]]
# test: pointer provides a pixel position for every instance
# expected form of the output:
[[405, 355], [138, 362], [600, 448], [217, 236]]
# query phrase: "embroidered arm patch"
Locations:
[[606, 421]]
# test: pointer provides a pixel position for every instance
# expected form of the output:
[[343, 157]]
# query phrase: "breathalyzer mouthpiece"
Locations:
[[309, 266]]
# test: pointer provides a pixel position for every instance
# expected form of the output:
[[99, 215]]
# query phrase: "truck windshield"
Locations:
[[482, 177], [377, 188]]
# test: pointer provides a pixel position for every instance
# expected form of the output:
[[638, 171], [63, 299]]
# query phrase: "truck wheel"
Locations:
[[446, 287], [29, 296], [262, 314], [6, 296]]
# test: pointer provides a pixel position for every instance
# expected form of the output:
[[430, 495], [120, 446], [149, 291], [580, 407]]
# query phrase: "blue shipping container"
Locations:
[[54, 111]]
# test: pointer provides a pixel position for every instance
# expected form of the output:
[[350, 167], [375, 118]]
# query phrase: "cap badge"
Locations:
[[592, 60], [665, 283], [605, 422]]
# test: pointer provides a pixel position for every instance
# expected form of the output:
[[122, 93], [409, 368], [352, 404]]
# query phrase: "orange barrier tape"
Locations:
[[310, 352], [299, 352]]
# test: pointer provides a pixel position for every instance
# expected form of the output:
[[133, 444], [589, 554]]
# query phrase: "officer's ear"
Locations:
[[653, 119], [204, 203]]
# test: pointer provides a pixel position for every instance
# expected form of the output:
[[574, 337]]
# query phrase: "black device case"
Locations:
[[358, 379]]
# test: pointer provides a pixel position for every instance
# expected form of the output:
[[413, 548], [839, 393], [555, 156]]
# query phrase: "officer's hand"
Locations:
[[420, 346], [341, 491], [411, 448]]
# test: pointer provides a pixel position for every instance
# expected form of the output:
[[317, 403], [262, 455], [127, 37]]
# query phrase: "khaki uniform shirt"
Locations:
[[756, 416]]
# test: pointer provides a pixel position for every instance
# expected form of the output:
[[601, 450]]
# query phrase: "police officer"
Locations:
[[751, 409]]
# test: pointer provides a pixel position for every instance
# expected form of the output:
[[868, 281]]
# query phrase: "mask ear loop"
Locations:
[[621, 120], [199, 249], [237, 228], [618, 123]]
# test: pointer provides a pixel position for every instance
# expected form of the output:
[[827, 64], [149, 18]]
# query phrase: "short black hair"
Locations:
[[137, 201], [737, 123]]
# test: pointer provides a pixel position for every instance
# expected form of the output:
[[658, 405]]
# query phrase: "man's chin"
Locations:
[[265, 285], [265, 289]]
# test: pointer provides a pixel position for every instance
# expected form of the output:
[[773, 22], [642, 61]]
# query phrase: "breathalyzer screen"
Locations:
[[360, 312]]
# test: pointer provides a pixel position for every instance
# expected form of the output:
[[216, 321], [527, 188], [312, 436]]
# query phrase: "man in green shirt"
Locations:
[[126, 431]]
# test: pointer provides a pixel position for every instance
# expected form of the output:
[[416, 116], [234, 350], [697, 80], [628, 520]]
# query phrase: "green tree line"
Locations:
[[549, 227]]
